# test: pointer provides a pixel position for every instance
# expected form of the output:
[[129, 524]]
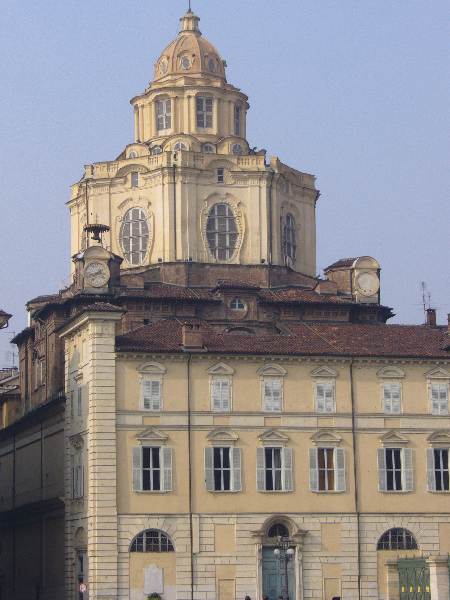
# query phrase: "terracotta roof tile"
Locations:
[[342, 262]]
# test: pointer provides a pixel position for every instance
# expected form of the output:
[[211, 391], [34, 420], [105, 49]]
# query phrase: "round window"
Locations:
[[134, 234], [185, 62], [221, 231], [156, 150], [236, 149]]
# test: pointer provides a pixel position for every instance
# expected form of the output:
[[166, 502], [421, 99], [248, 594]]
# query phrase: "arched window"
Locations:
[[278, 529], [204, 105], [152, 540], [397, 539], [180, 146], [132, 154], [134, 236], [209, 148], [212, 65], [155, 150], [221, 231], [163, 114], [237, 304], [289, 237], [236, 149]]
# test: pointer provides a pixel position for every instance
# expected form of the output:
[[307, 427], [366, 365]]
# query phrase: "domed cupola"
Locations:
[[190, 54]]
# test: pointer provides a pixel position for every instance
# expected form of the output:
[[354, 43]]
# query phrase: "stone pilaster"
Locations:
[[439, 577], [392, 584]]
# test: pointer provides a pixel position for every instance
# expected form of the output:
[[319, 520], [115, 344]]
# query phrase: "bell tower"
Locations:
[[189, 188]]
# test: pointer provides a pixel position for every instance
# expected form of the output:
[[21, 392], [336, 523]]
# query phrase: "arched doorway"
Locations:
[[280, 560]]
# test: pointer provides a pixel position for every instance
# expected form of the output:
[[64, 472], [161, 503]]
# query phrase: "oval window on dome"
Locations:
[[222, 232], [134, 235]]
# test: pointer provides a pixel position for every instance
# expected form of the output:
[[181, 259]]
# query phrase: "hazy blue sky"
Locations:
[[354, 91]]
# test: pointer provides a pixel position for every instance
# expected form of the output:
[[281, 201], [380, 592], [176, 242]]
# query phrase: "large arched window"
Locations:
[[134, 236], [397, 539], [152, 540], [289, 237], [278, 530], [221, 231]]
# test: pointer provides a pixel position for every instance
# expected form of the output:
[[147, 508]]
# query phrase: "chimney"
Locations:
[[192, 336], [431, 317]]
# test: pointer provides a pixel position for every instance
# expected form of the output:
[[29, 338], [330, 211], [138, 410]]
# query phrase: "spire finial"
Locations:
[[189, 22]]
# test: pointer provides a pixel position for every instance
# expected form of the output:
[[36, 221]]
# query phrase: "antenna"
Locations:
[[189, 3], [426, 296]]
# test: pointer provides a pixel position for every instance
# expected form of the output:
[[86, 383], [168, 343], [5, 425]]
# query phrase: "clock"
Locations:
[[96, 274], [368, 283]]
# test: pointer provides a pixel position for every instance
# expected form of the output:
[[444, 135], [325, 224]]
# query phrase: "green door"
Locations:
[[414, 579], [273, 575]]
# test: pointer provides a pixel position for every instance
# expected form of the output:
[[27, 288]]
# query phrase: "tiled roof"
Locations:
[[168, 292], [302, 339], [343, 262], [100, 307], [294, 295]]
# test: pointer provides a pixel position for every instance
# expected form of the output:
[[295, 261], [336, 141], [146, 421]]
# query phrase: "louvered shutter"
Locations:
[[395, 398], [166, 454], [382, 476], [431, 474], [329, 397], [260, 470], [288, 483], [209, 469], [151, 390], [225, 394], [236, 463], [407, 469], [276, 394], [313, 470], [320, 398], [220, 394], [339, 466], [137, 468]]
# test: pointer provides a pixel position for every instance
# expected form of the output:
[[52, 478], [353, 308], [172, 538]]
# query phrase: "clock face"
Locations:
[[96, 274], [368, 284]]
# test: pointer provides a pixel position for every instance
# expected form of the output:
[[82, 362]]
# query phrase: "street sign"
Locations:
[[83, 588]]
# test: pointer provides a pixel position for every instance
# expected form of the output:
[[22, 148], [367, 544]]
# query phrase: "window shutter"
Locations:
[[260, 470], [339, 466], [72, 462], [382, 478], [236, 462], [329, 398], [431, 475], [219, 394], [313, 470], [81, 475], [395, 398], [407, 469], [167, 468], [137, 468], [320, 398], [288, 484], [209, 471]]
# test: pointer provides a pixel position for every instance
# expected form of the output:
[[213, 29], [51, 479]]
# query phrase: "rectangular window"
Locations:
[[151, 394], [134, 179], [79, 401], [221, 394], [204, 112], [237, 119], [327, 469], [438, 471], [77, 475], [272, 389], [220, 175], [325, 397], [152, 469], [223, 469], [274, 469], [395, 469], [439, 398], [163, 114], [392, 398]]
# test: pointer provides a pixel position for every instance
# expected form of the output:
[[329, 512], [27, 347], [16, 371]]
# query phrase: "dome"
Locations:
[[189, 54]]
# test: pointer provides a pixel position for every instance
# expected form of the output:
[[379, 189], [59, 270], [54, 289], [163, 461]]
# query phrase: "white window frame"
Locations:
[[154, 406], [224, 405], [387, 402], [329, 405], [163, 109], [442, 406], [286, 469], [339, 469], [235, 469], [165, 468], [431, 469], [202, 113], [134, 179], [406, 470], [272, 380], [132, 239]]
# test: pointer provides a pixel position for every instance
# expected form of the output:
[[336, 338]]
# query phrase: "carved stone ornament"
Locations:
[[77, 441]]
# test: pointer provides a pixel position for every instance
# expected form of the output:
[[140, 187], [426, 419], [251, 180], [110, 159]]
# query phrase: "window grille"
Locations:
[[152, 540], [237, 304], [397, 539], [221, 232], [278, 530], [134, 234]]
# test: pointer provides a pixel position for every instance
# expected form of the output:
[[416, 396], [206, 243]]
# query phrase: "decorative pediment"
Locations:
[[273, 436], [152, 368], [326, 437], [272, 370], [439, 438], [151, 434], [220, 369], [391, 372], [393, 438], [222, 436], [324, 372], [438, 373]]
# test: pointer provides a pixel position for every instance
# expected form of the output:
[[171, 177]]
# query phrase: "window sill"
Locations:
[[328, 491], [438, 491], [152, 491], [275, 491], [396, 491], [224, 491]]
